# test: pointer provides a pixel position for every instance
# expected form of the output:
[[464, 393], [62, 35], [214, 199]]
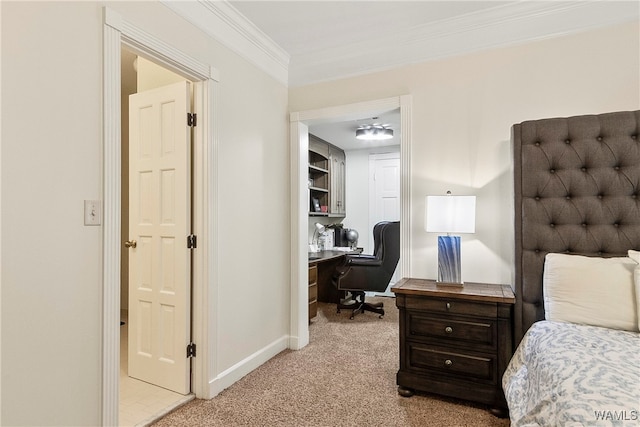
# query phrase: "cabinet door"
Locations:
[[337, 179]]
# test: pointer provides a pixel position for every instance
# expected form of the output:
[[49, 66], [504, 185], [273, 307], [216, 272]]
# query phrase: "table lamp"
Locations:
[[450, 214], [319, 229]]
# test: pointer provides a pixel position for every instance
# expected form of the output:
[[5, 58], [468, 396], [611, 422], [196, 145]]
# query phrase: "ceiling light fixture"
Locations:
[[374, 132]]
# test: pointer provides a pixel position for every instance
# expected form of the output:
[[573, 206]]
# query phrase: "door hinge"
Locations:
[[192, 119], [192, 241], [191, 350]]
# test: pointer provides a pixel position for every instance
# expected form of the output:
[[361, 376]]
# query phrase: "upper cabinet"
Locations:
[[326, 179], [318, 177]]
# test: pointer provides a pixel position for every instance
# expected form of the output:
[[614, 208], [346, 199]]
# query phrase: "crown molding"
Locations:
[[507, 25], [224, 23]]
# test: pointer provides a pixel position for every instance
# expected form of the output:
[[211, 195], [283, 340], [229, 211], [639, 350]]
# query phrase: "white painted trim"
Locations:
[[406, 102], [299, 205], [147, 45], [111, 227], [118, 32], [224, 23], [229, 376], [348, 112], [299, 330], [205, 226]]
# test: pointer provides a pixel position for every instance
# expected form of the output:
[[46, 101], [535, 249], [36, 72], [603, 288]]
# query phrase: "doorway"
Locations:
[[118, 33], [154, 311], [299, 133]]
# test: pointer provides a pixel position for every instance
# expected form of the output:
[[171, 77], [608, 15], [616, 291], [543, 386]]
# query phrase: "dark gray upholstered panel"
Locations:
[[577, 190]]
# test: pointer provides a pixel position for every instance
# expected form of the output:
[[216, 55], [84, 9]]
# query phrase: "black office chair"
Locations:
[[361, 273]]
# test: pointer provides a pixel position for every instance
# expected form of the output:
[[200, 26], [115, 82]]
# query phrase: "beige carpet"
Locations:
[[346, 376]]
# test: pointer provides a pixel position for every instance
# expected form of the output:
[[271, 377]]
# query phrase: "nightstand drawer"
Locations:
[[450, 362], [452, 306], [470, 331]]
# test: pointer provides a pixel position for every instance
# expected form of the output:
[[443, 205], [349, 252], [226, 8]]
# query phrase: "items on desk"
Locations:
[[325, 240], [345, 237], [314, 246], [329, 236]]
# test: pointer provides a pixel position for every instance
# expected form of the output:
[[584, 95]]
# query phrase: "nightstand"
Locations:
[[455, 341]]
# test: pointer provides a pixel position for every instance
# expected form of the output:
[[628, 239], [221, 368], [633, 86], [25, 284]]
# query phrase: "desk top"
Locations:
[[316, 257], [470, 291]]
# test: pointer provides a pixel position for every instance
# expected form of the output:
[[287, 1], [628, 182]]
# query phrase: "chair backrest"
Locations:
[[386, 238], [372, 272]]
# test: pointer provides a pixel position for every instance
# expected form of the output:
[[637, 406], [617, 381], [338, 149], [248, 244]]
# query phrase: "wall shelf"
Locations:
[[326, 178]]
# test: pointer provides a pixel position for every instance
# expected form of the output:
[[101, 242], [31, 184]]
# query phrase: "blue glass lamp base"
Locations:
[[449, 266]]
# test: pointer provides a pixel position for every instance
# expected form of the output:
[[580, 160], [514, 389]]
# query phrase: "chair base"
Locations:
[[361, 306]]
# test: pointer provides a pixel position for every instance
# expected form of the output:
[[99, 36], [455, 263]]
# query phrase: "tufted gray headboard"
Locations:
[[577, 190]]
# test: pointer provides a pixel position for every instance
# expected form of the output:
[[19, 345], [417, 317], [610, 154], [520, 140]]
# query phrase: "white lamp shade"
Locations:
[[450, 214]]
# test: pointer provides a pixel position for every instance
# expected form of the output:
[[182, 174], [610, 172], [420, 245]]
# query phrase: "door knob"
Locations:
[[130, 244]]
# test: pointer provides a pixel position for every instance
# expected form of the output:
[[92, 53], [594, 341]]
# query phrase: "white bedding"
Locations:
[[564, 374]]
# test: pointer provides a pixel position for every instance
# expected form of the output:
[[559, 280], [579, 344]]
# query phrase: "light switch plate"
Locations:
[[92, 212]]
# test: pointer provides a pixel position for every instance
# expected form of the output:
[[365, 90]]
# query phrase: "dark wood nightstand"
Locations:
[[455, 341]]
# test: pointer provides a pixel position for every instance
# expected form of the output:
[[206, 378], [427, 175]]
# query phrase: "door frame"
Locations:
[[118, 33], [299, 146]]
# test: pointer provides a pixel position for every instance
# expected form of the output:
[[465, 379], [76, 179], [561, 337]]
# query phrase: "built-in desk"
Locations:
[[321, 267]]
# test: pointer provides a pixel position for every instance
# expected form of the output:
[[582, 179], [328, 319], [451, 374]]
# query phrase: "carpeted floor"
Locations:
[[344, 377]]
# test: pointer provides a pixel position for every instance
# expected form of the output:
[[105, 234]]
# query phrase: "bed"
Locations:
[[577, 237]]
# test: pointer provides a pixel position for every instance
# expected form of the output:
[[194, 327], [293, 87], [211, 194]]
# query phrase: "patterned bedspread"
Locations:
[[564, 374]]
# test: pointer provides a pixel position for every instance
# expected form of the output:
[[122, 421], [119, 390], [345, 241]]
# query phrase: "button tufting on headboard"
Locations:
[[576, 187]]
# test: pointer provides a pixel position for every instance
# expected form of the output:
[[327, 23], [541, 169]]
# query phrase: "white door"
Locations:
[[384, 192], [159, 222]]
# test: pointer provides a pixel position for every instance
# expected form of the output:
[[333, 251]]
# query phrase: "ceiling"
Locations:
[[343, 134], [301, 27], [302, 42], [327, 40]]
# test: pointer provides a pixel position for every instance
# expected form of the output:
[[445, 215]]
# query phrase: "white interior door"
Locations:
[[384, 192], [159, 222]]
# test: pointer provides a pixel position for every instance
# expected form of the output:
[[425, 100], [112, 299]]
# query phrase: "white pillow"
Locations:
[[635, 255], [590, 291]]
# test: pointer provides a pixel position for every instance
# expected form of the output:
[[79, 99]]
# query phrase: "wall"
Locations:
[[463, 109], [51, 271], [151, 76]]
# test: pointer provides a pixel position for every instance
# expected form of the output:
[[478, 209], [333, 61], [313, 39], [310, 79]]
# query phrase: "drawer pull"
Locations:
[[448, 329], [448, 363], [448, 306]]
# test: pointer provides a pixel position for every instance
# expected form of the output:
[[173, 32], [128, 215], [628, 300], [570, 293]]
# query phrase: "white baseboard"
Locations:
[[245, 366]]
